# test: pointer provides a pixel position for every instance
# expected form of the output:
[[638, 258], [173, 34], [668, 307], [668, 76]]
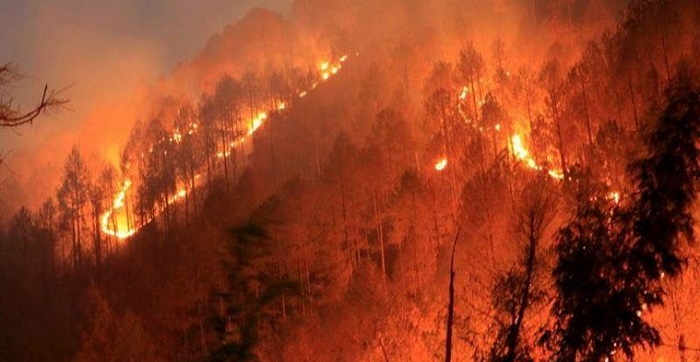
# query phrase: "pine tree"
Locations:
[[612, 258]]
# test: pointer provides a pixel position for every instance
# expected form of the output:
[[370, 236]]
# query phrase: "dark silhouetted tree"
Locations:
[[251, 288], [520, 289], [11, 115], [72, 199], [611, 259]]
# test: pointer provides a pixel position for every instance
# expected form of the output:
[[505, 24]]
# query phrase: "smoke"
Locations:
[[122, 58], [114, 57]]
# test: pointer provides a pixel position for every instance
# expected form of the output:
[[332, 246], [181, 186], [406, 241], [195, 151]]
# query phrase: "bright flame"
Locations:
[[614, 196], [522, 154], [464, 93], [256, 123], [441, 164], [115, 221]]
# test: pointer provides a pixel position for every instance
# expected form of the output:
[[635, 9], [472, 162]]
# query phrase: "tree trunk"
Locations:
[[224, 156], [585, 108], [557, 124], [634, 102], [514, 333], [451, 305]]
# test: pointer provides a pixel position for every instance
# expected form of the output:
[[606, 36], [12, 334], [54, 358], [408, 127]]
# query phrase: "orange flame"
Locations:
[[522, 154], [115, 221], [441, 164]]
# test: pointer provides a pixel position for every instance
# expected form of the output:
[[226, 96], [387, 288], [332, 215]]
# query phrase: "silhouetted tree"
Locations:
[[11, 114], [251, 287], [471, 71], [72, 199], [666, 182], [597, 308], [611, 260], [111, 337], [518, 290]]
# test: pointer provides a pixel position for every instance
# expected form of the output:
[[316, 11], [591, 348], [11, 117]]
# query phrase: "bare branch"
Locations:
[[12, 116]]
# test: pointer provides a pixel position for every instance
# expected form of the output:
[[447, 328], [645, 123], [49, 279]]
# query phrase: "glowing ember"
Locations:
[[441, 164]]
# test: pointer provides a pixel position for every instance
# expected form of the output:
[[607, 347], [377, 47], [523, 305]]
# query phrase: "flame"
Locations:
[[441, 164], [115, 221], [614, 196], [465, 91], [328, 69], [522, 154]]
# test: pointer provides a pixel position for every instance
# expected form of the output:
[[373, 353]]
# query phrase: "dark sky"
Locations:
[[104, 49]]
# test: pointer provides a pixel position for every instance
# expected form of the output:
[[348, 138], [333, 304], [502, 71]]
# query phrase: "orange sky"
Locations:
[[107, 53]]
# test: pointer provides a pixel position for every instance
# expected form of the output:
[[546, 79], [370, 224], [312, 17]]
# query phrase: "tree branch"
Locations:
[[11, 116]]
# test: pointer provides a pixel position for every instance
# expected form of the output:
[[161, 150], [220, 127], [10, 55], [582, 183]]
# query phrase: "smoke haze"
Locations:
[[110, 54]]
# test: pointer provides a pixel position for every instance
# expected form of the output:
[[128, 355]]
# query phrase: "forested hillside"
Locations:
[[391, 180]]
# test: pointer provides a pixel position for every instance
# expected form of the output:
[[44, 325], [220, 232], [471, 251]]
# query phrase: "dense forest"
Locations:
[[392, 180]]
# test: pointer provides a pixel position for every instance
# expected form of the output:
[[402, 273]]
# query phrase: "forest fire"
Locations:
[[521, 153], [498, 176], [117, 220]]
